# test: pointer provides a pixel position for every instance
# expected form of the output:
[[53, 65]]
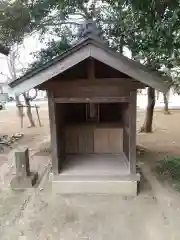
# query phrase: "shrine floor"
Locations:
[[95, 173]]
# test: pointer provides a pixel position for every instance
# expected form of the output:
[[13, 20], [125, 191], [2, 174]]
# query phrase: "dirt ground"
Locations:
[[38, 214]]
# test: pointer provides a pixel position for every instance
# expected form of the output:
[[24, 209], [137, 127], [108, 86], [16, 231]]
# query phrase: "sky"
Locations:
[[31, 44], [3, 67]]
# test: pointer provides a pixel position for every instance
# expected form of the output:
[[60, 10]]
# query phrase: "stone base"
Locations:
[[125, 186], [22, 183]]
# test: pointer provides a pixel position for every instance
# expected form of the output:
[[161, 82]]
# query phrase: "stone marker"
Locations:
[[24, 178]]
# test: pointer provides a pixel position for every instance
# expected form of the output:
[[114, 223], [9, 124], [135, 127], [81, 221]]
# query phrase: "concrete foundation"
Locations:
[[96, 185], [21, 183]]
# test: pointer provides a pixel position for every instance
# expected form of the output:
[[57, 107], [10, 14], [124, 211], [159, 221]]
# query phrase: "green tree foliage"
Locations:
[[150, 29], [4, 50], [53, 49], [21, 17]]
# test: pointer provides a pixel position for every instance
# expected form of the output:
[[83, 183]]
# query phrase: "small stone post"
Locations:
[[24, 178], [22, 162]]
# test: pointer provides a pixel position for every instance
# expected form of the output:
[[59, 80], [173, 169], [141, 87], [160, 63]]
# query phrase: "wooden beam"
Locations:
[[91, 69], [53, 130], [125, 82], [92, 100], [61, 134], [132, 131]]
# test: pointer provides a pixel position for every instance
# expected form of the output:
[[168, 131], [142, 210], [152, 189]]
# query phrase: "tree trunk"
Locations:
[[29, 113], [166, 106], [147, 126], [19, 108]]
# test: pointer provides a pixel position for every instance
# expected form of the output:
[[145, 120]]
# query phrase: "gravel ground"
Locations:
[[45, 216]]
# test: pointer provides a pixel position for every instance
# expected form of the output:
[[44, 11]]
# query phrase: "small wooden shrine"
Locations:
[[92, 111]]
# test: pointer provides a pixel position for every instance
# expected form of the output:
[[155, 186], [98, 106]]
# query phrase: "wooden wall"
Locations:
[[93, 139], [108, 140], [104, 87], [96, 140]]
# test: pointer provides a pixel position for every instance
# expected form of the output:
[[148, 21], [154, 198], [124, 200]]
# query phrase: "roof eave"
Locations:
[[75, 48], [115, 60]]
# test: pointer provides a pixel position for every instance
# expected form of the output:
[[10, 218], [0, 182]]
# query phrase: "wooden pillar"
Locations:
[[132, 131], [53, 131], [60, 134], [91, 69]]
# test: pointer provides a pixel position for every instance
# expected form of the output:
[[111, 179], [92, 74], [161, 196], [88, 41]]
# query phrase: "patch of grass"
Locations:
[[169, 169]]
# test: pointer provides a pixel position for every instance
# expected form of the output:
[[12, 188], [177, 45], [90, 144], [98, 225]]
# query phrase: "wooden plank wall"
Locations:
[[90, 139], [90, 91], [107, 87], [108, 140], [79, 139]]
